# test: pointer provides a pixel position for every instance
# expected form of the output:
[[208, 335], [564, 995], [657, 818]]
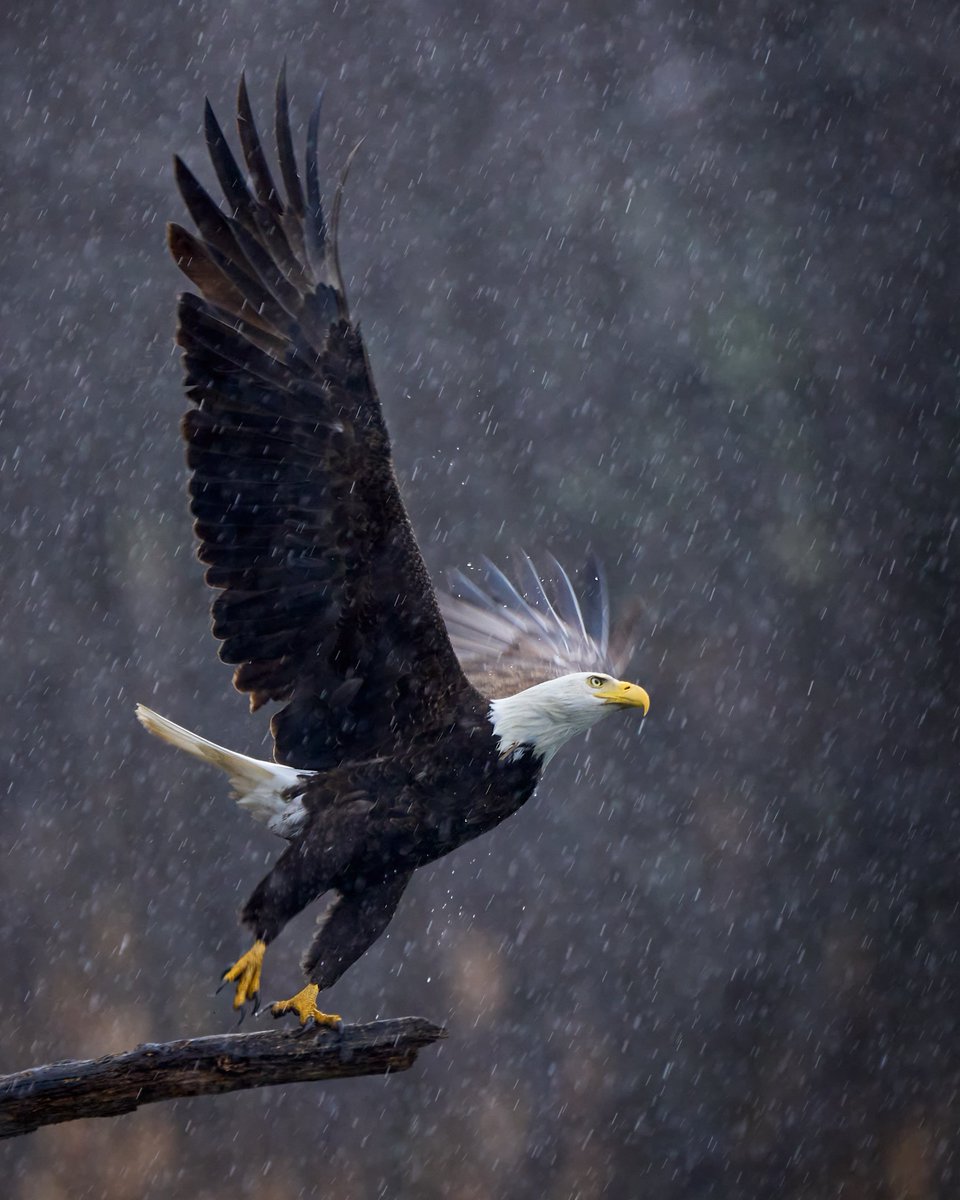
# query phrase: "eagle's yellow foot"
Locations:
[[304, 1004], [245, 973]]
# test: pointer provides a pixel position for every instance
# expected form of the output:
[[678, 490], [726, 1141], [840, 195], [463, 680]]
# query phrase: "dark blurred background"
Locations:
[[678, 283]]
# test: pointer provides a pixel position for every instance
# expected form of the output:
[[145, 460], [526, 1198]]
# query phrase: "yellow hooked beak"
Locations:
[[630, 695]]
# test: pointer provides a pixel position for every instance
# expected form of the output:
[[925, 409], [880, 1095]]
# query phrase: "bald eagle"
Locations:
[[402, 735]]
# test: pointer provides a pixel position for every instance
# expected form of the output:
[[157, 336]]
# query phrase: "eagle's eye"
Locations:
[[596, 681]]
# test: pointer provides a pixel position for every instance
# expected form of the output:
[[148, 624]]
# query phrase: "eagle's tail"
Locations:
[[258, 786]]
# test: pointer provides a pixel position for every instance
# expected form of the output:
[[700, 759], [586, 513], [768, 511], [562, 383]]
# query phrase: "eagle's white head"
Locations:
[[548, 714]]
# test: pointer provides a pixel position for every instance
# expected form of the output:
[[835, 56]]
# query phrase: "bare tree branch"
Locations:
[[205, 1066]]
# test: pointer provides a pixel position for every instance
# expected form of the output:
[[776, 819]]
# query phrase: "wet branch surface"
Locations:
[[205, 1066]]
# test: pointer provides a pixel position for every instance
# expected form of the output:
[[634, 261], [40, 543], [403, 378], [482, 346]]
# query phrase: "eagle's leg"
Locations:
[[304, 1004], [245, 973], [350, 926], [280, 895]]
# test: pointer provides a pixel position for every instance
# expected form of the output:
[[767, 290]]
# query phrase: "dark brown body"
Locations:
[[369, 825], [324, 603]]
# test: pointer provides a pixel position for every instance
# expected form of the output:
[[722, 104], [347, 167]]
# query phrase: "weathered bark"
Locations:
[[205, 1066]]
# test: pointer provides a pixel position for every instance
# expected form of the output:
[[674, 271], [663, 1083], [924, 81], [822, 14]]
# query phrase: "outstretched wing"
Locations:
[[325, 603], [509, 636]]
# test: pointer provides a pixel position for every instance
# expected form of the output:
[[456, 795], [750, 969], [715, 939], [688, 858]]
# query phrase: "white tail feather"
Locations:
[[258, 786]]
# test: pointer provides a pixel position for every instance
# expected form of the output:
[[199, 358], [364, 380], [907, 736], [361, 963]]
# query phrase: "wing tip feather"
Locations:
[[521, 627]]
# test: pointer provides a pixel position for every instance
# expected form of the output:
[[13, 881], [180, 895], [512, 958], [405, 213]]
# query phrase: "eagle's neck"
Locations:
[[539, 719]]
